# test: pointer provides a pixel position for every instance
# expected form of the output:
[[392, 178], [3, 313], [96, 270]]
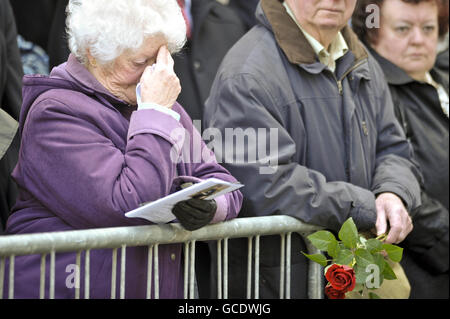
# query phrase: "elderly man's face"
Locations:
[[408, 36], [125, 73], [324, 14]]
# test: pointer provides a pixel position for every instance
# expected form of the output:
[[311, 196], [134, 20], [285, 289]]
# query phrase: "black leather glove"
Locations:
[[195, 213]]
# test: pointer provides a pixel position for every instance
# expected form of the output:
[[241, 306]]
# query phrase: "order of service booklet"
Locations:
[[160, 211]]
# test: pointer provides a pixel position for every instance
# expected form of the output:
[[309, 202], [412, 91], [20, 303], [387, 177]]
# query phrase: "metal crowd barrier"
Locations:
[[152, 236]]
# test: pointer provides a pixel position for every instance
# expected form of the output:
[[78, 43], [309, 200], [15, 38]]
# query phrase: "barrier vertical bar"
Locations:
[[257, 267], [149, 271], [11, 277], [186, 270], [122, 271], [87, 275], [42, 279], [282, 265], [52, 274], [249, 268], [77, 275], [113, 273], [288, 266], [225, 268], [156, 270], [2, 275], [219, 269], [192, 270]]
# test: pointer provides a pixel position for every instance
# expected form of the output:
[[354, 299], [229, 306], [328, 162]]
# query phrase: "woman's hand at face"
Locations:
[[160, 84]]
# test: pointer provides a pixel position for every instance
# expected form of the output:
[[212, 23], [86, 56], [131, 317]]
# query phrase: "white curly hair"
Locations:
[[109, 27]]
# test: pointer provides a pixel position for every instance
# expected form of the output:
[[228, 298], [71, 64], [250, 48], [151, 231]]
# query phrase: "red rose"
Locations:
[[332, 293], [341, 278]]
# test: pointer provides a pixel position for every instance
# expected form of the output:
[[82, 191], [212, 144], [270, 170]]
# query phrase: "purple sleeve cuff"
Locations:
[[222, 209]]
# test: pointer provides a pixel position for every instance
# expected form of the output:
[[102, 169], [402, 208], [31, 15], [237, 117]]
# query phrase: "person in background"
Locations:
[[102, 135], [303, 77], [212, 28], [442, 58], [10, 100], [246, 9], [405, 46], [42, 22]]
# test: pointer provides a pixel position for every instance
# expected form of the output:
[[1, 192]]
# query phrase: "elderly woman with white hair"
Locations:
[[98, 140]]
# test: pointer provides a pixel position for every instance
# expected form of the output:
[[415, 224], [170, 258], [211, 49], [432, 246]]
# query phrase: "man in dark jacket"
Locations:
[[10, 102], [302, 82], [215, 28]]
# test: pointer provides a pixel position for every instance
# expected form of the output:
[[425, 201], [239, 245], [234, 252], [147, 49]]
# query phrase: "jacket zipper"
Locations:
[[339, 82], [341, 92]]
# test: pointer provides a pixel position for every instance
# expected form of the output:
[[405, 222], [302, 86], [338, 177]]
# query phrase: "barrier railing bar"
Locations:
[[288, 265], [77, 275], [103, 238], [186, 269], [315, 278], [249, 267], [122, 271], [87, 270], [113, 273], [192, 271], [282, 265], [256, 267], [2, 275], [42, 279], [115, 237], [219, 269], [156, 270], [52, 274], [149, 271], [11, 277], [225, 268]]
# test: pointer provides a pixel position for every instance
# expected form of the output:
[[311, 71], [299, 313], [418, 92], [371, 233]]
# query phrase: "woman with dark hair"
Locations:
[[405, 45]]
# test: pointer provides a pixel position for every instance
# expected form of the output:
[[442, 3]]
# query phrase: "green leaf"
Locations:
[[374, 245], [363, 258], [322, 239], [318, 258], [349, 234], [334, 249], [345, 257], [373, 296], [388, 273], [360, 274], [395, 253], [379, 261]]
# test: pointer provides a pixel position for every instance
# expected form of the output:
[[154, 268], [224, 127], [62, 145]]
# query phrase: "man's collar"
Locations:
[[337, 47], [293, 41]]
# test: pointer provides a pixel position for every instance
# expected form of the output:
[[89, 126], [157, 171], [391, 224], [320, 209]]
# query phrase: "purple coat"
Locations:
[[86, 159]]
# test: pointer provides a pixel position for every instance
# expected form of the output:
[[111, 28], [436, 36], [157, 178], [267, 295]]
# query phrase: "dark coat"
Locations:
[[10, 101], [339, 144], [43, 22], [216, 29], [442, 61], [417, 106], [246, 10]]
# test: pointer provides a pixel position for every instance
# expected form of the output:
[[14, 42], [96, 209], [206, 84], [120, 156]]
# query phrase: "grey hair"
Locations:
[[109, 27]]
